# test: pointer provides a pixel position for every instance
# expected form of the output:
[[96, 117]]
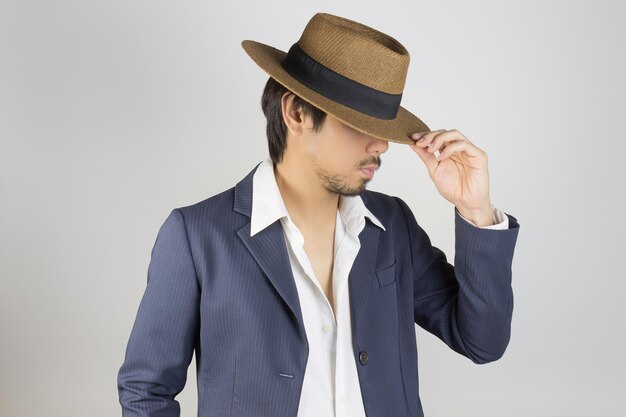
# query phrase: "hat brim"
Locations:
[[397, 130]]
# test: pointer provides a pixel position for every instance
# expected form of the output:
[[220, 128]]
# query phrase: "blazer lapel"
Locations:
[[269, 249], [363, 272]]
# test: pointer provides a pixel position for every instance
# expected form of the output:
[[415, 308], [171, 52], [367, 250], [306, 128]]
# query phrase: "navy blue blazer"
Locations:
[[231, 298]]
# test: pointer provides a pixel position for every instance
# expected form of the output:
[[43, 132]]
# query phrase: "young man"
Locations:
[[298, 289]]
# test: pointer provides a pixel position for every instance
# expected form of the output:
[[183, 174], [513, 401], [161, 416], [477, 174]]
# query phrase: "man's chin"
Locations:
[[355, 191]]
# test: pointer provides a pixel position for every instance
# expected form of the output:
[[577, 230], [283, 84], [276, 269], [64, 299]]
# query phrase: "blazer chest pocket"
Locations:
[[386, 275]]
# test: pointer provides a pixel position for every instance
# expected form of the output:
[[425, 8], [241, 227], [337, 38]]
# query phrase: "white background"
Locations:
[[114, 112]]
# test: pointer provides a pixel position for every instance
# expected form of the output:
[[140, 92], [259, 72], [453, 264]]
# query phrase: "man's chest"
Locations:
[[319, 249]]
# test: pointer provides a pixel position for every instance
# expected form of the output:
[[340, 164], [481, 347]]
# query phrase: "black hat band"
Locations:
[[339, 88]]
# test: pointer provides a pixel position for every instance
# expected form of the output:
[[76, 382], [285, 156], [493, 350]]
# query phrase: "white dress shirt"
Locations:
[[330, 387]]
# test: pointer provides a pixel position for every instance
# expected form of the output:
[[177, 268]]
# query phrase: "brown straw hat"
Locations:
[[349, 70]]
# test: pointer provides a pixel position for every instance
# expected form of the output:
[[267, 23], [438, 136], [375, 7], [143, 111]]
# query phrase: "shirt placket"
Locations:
[[348, 402]]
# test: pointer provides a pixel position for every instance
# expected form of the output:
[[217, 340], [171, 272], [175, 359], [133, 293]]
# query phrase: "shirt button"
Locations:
[[363, 357], [326, 328]]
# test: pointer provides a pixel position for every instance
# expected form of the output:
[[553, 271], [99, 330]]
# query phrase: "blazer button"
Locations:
[[363, 357]]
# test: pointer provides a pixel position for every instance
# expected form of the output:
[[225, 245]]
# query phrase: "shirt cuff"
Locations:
[[500, 219]]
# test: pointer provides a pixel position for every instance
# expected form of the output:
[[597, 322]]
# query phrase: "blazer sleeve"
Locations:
[[165, 330], [469, 305]]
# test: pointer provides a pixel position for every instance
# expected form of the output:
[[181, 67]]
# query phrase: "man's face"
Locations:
[[338, 153]]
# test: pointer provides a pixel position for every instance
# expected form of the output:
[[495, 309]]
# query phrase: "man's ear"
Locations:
[[292, 115]]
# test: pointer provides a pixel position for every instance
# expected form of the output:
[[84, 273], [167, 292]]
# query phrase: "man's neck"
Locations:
[[310, 206]]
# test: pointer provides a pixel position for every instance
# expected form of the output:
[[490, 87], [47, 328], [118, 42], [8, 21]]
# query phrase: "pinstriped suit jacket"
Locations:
[[232, 299]]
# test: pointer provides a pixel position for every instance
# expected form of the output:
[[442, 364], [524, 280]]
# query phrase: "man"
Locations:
[[298, 289]]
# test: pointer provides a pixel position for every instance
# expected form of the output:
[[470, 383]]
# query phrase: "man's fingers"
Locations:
[[436, 139], [429, 159], [458, 146]]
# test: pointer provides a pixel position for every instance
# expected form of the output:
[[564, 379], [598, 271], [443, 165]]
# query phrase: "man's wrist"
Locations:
[[480, 218]]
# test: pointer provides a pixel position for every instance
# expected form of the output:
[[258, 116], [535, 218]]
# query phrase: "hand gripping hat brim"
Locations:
[[347, 88]]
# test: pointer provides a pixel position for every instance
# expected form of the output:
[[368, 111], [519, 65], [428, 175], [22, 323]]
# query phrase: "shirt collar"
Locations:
[[268, 205]]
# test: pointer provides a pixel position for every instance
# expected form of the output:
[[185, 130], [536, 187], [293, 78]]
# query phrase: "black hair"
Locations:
[[276, 128]]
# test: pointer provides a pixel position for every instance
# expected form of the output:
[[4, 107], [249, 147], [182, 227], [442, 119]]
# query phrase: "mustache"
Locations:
[[376, 162]]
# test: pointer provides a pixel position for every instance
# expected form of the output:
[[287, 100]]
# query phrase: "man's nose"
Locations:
[[379, 145]]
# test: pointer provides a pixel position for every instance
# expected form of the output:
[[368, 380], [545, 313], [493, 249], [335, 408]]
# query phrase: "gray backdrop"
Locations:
[[114, 112]]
